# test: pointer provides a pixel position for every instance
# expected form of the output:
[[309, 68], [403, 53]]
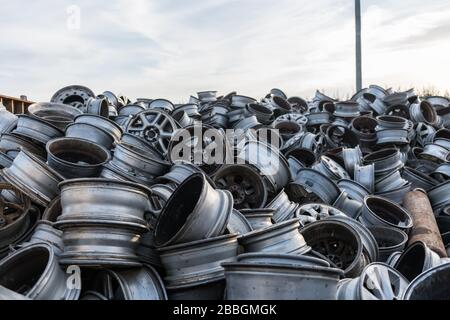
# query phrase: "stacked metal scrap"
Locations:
[[94, 206]]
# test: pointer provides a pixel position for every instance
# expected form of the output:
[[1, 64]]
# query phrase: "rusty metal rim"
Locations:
[[423, 112], [348, 137]]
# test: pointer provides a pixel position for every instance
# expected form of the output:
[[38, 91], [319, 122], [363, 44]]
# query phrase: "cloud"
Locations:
[[173, 48]]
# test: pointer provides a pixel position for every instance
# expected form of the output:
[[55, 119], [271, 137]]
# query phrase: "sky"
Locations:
[[175, 48]]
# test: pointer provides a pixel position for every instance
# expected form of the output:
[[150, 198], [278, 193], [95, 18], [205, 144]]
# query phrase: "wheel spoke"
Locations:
[[166, 135], [155, 119], [249, 191], [144, 120], [222, 183], [164, 122], [162, 146]]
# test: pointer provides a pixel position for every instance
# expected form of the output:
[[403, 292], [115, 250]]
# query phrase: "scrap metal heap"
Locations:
[[358, 207]]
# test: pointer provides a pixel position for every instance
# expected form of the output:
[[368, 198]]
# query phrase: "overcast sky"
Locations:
[[173, 48]]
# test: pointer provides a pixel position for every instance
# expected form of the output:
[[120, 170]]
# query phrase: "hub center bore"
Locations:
[[152, 134]]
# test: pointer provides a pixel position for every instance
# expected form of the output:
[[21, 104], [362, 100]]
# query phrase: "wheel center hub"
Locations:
[[238, 193], [151, 134]]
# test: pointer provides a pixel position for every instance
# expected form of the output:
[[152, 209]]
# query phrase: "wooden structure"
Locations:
[[15, 105]]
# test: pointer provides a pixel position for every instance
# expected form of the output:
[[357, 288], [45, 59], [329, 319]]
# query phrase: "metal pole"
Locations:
[[358, 45]]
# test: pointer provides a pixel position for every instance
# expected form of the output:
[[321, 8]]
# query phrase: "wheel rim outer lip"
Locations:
[[431, 258], [387, 251], [429, 273], [39, 130], [73, 186], [10, 141], [260, 240], [417, 180], [284, 208], [68, 111], [359, 261], [283, 271], [197, 274], [88, 169], [128, 159], [439, 195], [370, 218], [113, 255], [104, 123], [104, 138], [386, 164], [59, 93], [33, 191], [20, 225], [352, 289], [129, 280], [126, 226], [186, 232], [51, 277], [355, 190], [325, 194]]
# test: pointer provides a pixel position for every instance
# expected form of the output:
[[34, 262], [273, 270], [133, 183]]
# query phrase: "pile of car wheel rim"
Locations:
[[103, 198]]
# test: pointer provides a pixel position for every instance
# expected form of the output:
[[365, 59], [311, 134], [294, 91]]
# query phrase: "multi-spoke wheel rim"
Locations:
[[154, 126], [381, 282]]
